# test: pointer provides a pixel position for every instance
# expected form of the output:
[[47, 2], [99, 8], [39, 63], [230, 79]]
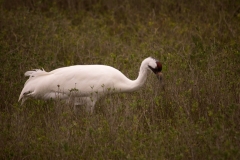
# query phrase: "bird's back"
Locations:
[[88, 75], [85, 79]]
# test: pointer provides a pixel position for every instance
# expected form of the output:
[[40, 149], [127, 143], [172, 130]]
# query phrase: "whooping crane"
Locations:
[[85, 84]]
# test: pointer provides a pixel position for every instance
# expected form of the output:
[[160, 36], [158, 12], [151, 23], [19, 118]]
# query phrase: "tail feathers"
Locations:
[[29, 73], [35, 72], [29, 88], [23, 100], [24, 96]]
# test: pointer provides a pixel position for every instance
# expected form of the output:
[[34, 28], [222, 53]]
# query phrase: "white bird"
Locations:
[[84, 84]]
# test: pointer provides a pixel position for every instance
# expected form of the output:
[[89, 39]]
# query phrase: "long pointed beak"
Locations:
[[160, 78]]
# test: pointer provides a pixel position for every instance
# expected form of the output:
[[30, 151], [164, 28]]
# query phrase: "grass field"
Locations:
[[197, 116]]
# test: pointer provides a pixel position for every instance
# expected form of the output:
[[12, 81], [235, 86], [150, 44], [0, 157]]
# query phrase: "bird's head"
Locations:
[[156, 67]]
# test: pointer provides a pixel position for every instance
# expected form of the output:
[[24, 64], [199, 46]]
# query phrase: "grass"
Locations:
[[196, 117]]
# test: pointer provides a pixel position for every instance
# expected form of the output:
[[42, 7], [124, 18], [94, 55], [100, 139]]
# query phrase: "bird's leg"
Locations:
[[88, 102]]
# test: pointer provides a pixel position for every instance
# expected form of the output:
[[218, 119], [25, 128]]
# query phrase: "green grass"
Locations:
[[197, 116]]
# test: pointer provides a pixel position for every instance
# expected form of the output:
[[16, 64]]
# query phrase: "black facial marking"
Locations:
[[157, 69]]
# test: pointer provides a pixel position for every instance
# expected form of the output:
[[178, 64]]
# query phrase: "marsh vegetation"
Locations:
[[197, 116]]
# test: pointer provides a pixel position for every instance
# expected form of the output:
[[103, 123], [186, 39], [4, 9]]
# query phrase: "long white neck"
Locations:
[[141, 79], [132, 85]]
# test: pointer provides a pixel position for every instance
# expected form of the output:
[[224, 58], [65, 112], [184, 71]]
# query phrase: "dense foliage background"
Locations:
[[196, 117]]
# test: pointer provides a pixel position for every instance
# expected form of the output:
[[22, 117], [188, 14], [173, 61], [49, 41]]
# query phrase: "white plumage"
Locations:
[[84, 84]]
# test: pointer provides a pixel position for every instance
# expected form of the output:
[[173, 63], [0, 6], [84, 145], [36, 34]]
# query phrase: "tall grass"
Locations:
[[197, 116]]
